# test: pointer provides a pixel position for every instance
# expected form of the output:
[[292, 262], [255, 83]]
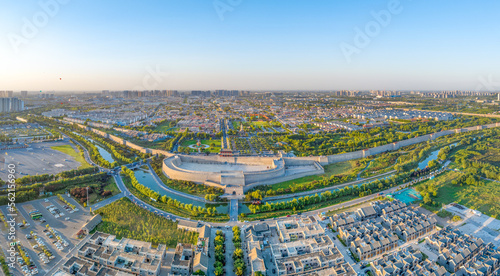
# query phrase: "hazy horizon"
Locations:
[[249, 45]]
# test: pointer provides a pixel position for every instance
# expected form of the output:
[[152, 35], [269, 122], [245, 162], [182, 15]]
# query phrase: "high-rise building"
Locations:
[[11, 105], [6, 94], [24, 94], [201, 93], [170, 93]]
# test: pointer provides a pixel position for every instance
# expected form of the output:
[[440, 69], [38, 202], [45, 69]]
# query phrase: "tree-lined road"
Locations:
[[340, 186]]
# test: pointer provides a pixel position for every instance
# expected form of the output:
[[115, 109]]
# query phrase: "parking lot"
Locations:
[[46, 246], [39, 158]]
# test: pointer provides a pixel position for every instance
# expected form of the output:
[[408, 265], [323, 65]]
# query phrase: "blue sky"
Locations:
[[254, 45]]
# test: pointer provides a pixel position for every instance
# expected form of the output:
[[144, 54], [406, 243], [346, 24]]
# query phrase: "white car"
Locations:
[[67, 218]]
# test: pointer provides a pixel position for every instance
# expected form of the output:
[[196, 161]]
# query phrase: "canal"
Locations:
[[147, 179]]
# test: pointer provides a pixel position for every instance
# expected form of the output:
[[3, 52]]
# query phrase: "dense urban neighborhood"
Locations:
[[229, 182]]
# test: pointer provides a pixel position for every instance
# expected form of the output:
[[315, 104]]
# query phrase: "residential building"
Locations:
[[131, 256], [183, 260], [302, 228]]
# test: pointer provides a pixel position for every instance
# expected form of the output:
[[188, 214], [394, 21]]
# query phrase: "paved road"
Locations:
[[380, 176], [372, 196], [107, 201], [141, 203], [232, 222], [229, 251], [233, 210], [72, 252], [170, 190], [363, 170], [234, 203]]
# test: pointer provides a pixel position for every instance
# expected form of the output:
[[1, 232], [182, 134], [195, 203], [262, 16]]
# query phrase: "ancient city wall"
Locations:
[[171, 170], [344, 156], [282, 179], [323, 160], [290, 161], [397, 145], [277, 172]]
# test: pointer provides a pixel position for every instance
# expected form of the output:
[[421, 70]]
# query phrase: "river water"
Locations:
[[433, 156], [147, 179]]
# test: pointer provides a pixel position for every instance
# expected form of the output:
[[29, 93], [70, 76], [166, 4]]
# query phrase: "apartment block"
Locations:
[[454, 248], [303, 228], [407, 261], [183, 259], [131, 256], [310, 262], [409, 224], [81, 267]]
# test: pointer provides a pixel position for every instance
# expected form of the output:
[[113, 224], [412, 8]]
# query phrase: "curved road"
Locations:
[[170, 190], [137, 201], [231, 223], [312, 192]]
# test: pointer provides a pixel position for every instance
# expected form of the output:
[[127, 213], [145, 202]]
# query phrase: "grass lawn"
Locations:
[[215, 149], [110, 186], [165, 126], [483, 198], [69, 150], [197, 190], [381, 164], [446, 193], [124, 219], [169, 208], [236, 125], [341, 168], [281, 213], [261, 123]]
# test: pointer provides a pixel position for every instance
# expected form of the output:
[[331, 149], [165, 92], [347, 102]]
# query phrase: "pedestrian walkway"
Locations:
[[233, 210], [107, 201]]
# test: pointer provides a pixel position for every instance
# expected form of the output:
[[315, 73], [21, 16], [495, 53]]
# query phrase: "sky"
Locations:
[[76, 45]]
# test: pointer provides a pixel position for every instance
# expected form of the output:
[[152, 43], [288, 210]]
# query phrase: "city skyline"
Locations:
[[249, 46]]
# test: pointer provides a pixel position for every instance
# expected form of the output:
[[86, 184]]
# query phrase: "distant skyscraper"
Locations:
[[201, 93], [24, 94], [170, 93], [6, 94], [11, 105]]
